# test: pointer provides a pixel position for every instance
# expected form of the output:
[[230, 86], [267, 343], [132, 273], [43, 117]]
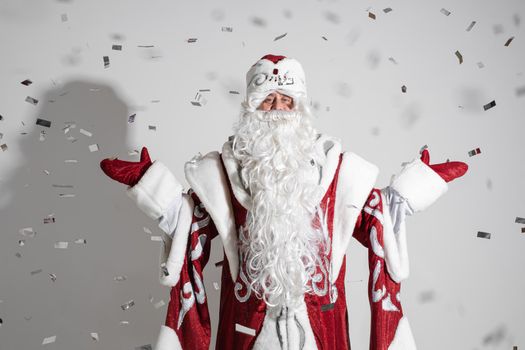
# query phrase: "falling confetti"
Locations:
[[403, 89], [233, 92], [53, 277], [520, 220], [156, 238], [152, 127], [470, 26], [120, 278], [127, 305], [94, 336], [93, 147], [216, 286], [3, 147], [480, 65], [31, 100], [227, 29], [474, 152], [43, 122], [371, 15], [459, 56], [280, 37], [106, 61], [327, 307], [483, 235], [116, 47], [192, 40], [85, 132], [27, 232], [49, 340], [445, 12], [61, 245], [507, 43], [489, 105], [131, 118], [35, 272], [219, 263], [243, 329], [81, 241], [387, 10], [26, 82]]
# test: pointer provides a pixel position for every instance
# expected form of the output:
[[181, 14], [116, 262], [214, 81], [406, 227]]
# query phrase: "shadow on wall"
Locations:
[[71, 292]]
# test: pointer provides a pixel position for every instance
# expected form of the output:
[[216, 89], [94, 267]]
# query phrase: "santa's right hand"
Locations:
[[128, 173]]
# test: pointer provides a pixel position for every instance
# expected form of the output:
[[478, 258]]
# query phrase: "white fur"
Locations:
[[168, 339], [208, 180], [156, 191], [419, 185], [356, 179], [268, 339], [403, 339], [176, 247]]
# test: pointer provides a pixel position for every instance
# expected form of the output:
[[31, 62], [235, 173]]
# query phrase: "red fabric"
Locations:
[[448, 171], [194, 332], [128, 173], [273, 58], [384, 323]]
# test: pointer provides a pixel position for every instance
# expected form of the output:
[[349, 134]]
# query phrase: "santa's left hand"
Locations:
[[448, 171]]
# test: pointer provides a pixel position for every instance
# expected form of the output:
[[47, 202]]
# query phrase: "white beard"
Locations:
[[280, 248]]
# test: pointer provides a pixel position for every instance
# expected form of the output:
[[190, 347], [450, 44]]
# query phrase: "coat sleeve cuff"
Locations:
[[155, 191], [419, 185]]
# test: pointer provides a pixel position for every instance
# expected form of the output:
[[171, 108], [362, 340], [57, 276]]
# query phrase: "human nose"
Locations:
[[279, 105]]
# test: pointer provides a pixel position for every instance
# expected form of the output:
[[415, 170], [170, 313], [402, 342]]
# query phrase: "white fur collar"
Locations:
[[329, 146]]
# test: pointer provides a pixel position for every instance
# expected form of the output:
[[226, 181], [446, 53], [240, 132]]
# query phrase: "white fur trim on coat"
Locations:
[[156, 191], [168, 340], [293, 329], [175, 248], [207, 178], [419, 184], [356, 179], [403, 339], [394, 234]]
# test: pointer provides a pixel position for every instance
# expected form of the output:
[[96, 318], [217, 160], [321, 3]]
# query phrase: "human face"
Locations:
[[276, 101]]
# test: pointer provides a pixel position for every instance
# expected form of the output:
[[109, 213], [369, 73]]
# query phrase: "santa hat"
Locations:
[[275, 73]]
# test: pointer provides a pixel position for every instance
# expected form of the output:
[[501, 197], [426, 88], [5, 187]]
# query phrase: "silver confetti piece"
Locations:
[[471, 25], [131, 118], [106, 61], [61, 245], [93, 147], [49, 340], [483, 235], [459, 56], [94, 336], [31, 100], [127, 305], [120, 278], [520, 220], [445, 12], [243, 329], [489, 105], [279, 37]]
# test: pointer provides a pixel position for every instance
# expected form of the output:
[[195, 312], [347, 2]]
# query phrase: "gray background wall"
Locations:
[[464, 292]]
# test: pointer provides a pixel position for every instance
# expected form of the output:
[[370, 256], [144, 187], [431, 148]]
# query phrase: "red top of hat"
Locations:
[[273, 58]]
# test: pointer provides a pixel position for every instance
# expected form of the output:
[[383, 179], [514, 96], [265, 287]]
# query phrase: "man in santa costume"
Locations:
[[285, 202]]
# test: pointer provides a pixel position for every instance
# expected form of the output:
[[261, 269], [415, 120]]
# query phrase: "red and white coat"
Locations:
[[216, 205]]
